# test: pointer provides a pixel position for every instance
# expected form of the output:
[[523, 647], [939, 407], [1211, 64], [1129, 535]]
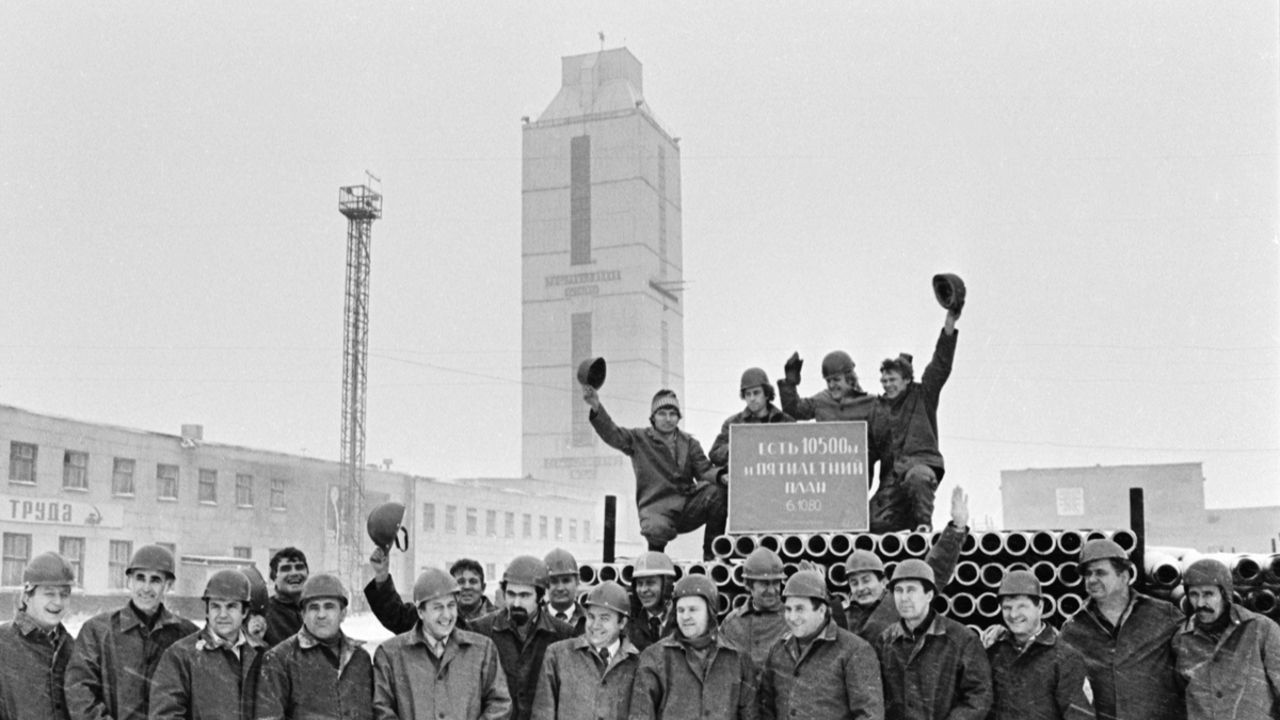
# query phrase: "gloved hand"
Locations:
[[792, 368]]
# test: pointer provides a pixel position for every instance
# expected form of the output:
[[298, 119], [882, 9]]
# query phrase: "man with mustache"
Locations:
[[590, 677], [562, 594], [521, 631], [653, 617], [117, 652], [289, 571], [35, 646], [1227, 658], [1125, 638]]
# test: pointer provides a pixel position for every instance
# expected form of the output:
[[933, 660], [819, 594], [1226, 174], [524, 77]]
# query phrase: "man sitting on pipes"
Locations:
[[843, 400], [758, 394], [677, 489]]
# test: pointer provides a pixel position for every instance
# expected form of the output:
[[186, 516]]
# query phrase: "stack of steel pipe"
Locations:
[[985, 558]]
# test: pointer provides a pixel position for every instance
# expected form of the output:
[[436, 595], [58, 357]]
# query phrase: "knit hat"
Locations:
[[665, 399]]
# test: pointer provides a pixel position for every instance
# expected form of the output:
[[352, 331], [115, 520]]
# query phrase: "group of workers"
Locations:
[[654, 651]]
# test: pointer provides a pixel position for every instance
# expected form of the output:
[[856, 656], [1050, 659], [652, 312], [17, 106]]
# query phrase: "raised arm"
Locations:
[[944, 556]]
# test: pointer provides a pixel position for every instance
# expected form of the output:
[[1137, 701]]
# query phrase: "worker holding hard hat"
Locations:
[[844, 400]]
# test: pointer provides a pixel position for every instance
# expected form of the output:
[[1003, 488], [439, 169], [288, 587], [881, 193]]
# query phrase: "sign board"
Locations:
[[798, 478], [55, 511]]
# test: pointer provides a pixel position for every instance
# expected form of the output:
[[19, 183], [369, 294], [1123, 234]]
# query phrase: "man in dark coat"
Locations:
[[400, 616], [677, 489], [289, 571], [903, 436], [653, 615], [758, 394], [844, 400], [35, 647]]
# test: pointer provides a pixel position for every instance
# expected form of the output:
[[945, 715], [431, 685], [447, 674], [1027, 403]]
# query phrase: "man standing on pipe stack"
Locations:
[[35, 646], [562, 595], [1125, 639], [289, 571], [843, 400], [677, 489], [758, 393], [653, 580], [1035, 675], [521, 631], [1227, 658], [933, 667], [871, 609]]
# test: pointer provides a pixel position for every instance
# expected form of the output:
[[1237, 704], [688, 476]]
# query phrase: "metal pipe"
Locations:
[[607, 572], [890, 545], [740, 600], [790, 569], [889, 567], [1016, 566], [772, 542], [720, 574], [586, 574], [1271, 570], [697, 569], [840, 545], [963, 606], [1095, 535], [988, 605], [990, 543], [723, 546], [969, 545], [1017, 544], [991, 574], [1045, 572], [680, 569], [1162, 570], [739, 578], [1126, 539], [793, 546], [723, 603], [1247, 571], [940, 604], [866, 542], [626, 573], [967, 573], [916, 545], [1048, 606], [1068, 574], [1261, 601], [817, 545], [1070, 542], [1069, 605], [836, 575], [1043, 543], [743, 545]]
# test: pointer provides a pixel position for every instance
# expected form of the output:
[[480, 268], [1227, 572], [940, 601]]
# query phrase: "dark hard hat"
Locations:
[[610, 596], [653, 563], [384, 524], [753, 377], [914, 569], [1207, 571], [949, 290], [48, 568], [863, 561], [561, 562], [1101, 549], [806, 583], [837, 362], [257, 590], [152, 557], [433, 583], [527, 570], [591, 372], [1020, 582], [227, 584], [763, 564], [698, 586], [323, 585]]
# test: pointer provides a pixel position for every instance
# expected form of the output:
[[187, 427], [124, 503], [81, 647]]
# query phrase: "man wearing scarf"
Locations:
[[695, 674], [1228, 658], [35, 647]]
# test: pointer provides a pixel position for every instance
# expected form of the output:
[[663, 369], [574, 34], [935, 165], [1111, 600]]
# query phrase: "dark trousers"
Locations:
[[707, 505], [904, 501]]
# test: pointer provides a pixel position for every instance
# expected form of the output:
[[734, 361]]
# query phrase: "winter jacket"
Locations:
[[32, 665], [521, 661], [284, 620], [465, 683], [903, 431], [719, 453], [661, 480], [672, 685], [1235, 677], [641, 634], [836, 678], [824, 407], [1045, 681], [299, 682], [200, 678], [1130, 669], [754, 630], [391, 610], [575, 684], [941, 674], [109, 675], [868, 623]]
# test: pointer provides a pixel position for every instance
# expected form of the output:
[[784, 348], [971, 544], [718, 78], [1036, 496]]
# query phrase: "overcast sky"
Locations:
[[1103, 175]]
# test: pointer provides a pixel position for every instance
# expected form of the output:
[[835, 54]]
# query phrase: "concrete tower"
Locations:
[[602, 273]]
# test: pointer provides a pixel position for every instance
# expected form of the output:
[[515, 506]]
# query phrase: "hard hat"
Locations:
[[48, 568], [227, 584], [698, 586], [611, 596], [591, 372], [806, 583], [665, 399], [836, 363], [561, 562], [384, 526], [152, 557], [863, 561], [763, 564], [1101, 549], [433, 583], [753, 377], [653, 563], [949, 290], [1207, 571], [914, 569], [527, 570], [257, 590], [1020, 582], [323, 585]]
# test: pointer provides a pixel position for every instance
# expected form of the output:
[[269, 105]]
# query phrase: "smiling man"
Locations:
[[116, 652], [758, 394], [843, 400], [590, 677], [289, 571], [758, 624], [653, 617], [35, 647]]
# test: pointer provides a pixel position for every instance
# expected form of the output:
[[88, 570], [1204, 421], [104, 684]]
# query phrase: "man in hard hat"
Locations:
[[843, 400], [590, 677], [437, 670], [903, 437], [289, 571], [871, 608], [1033, 673], [399, 616], [562, 592], [695, 673], [319, 672], [758, 394], [653, 578], [1227, 658], [521, 631], [818, 670], [760, 622], [1125, 638], [933, 667], [677, 489], [117, 651], [212, 673], [35, 646]]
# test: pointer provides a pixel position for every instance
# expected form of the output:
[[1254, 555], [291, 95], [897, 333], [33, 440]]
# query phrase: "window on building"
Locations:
[[75, 470], [428, 517], [542, 527], [243, 552], [559, 528], [244, 490], [586, 531], [167, 482], [451, 519], [491, 523], [580, 200], [72, 548], [473, 517], [122, 477], [117, 562], [22, 462], [510, 524], [208, 491], [573, 530], [527, 522], [277, 494], [17, 553]]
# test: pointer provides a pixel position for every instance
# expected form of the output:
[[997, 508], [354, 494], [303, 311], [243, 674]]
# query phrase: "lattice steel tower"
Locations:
[[361, 206]]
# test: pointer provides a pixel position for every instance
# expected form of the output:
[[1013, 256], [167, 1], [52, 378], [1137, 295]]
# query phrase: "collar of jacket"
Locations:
[[574, 612], [681, 442], [1047, 636], [671, 641], [456, 637], [1233, 612], [27, 625], [624, 650], [828, 633], [129, 619], [278, 599], [663, 617], [210, 641], [749, 608], [346, 645], [899, 629], [1091, 611], [502, 622]]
